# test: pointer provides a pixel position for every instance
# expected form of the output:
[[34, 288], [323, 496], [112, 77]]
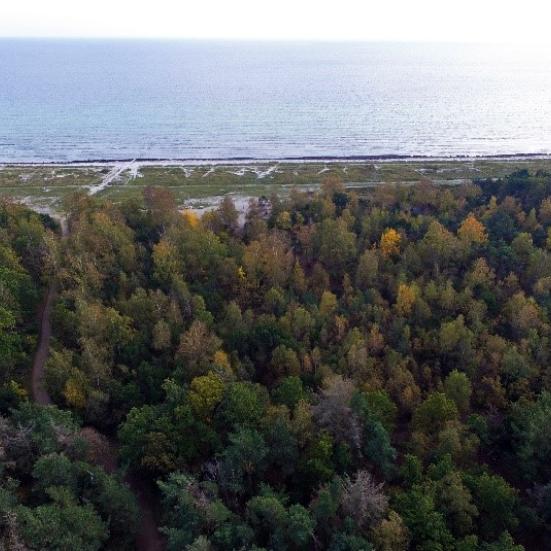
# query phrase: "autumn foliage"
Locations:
[[339, 370], [390, 242]]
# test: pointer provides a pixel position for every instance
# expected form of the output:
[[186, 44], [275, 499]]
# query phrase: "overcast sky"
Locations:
[[430, 20]]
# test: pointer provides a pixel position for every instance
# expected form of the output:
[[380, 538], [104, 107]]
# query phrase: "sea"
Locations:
[[103, 100]]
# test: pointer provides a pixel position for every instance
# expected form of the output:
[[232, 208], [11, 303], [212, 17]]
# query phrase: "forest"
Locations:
[[350, 371]]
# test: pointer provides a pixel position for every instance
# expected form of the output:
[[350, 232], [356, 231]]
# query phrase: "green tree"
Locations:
[[433, 414], [496, 502], [425, 523], [458, 388], [62, 525]]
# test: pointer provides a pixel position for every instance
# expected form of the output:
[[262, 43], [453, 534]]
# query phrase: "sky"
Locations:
[[393, 20]]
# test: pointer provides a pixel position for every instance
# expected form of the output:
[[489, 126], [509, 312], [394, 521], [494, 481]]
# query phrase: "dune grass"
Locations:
[[44, 187]]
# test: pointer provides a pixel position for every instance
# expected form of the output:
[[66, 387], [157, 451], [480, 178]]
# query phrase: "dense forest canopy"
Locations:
[[337, 371]]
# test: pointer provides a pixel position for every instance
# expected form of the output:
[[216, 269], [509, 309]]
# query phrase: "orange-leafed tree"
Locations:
[[472, 231]]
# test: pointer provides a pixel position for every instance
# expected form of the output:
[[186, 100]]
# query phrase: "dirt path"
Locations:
[[105, 453], [148, 537]]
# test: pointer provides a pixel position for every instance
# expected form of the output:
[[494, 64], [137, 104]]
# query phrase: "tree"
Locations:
[[289, 391], [62, 525], [55, 470], [196, 349], [544, 213], [480, 274], [284, 221], [472, 231], [191, 217], [496, 503], [368, 269], [390, 242], [458, 387], [317, 460], [522, 246], [267, 515], [336, 245], [328, 303], [161, 203], [166, 261], [268, 261], [376, 440], [145, 440], [191, 508], [242, 461], [161, 336], [285, 361], [298, 280], [438, 247], [455, 501], [405, 300], [426, 525], [504, 543], [228, 214], [433, 414], [10, 538], [243, 404], [532, 442], [116, 503], [379, 404], [333, 411], [205, 394], [456, 341], [363, 500], [300, 527], [391, 534]]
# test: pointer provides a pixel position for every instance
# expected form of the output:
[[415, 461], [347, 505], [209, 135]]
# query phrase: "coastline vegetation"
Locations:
[[347, 370], [44, 187]]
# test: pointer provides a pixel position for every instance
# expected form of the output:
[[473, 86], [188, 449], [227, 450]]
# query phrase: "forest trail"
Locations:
[[148, 537]]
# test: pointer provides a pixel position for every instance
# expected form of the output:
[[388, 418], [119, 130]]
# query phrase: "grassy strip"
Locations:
[[44, 187]]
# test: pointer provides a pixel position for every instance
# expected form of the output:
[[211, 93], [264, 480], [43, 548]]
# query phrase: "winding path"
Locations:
[[148, 537]]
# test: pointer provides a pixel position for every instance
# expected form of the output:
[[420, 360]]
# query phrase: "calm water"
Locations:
[[89, 100]]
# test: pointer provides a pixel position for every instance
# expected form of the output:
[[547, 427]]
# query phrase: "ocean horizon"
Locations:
[[64, 101]]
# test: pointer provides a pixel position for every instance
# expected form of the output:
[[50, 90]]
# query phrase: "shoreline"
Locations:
[[232, 161]]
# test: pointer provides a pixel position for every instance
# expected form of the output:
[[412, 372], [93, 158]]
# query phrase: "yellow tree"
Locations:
[[472, 231], [390, 242], [480, 274], [191, 218], [406, 299]]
